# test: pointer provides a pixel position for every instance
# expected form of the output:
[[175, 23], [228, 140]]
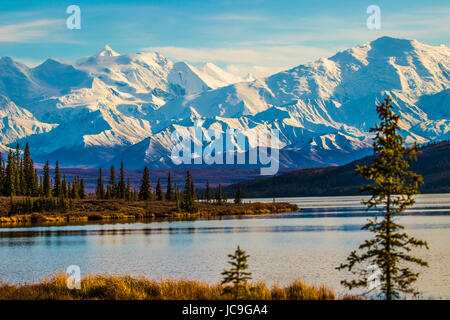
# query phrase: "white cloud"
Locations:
[[236, 17], [258, 60], [27, 31], [242, 70]]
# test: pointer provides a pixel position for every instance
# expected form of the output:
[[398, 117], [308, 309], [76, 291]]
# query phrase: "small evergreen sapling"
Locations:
[[235, 279]]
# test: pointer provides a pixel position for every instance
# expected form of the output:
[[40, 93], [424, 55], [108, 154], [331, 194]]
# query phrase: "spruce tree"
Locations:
[[69, 190], [112, 183], [393, 189], [121, 186], [177, 199], [82, 190], [208, 192], [64, 192], [100, 190], [17, 154], [28, 171], [10, 175], [2, 176], [128, 194], [169, 189], [235, 279], [194, 193], [21, 178], [46, 182], [219, 195], [76, 188], [145, 192], [188, 203], [41, 187], [36, 184], [238, 197], [108, 193], [159, 191], [57, 189]]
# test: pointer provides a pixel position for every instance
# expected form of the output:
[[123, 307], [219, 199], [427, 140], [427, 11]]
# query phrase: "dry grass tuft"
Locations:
[[114, 287]]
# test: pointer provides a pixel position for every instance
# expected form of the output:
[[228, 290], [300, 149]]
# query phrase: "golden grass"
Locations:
[[114, 287]]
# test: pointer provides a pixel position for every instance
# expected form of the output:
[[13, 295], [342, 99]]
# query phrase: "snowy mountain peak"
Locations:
[[249, 77], [107, 52], [106, 106]]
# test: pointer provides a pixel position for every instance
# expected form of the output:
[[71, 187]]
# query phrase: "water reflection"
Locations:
[[303, 245]]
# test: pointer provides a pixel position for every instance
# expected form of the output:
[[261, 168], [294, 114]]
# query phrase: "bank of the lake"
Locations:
[[90, 210]]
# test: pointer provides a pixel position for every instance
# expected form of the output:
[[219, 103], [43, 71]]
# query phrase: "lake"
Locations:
[[305, 245]]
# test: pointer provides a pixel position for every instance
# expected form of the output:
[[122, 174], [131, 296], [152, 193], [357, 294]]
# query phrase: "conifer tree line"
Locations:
[[19, 177], [115, 189]]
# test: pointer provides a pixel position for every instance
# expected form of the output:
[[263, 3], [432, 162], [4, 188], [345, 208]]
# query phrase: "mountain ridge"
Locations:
[[433, 164], [105, 104]]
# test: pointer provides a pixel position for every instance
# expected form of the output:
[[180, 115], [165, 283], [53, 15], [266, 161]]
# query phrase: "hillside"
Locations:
[[433, 164]]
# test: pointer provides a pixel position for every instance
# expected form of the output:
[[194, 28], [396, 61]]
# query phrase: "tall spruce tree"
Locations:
[[82, 191], [145, 192], [208, 196], [219, 195], [238, 197], [188, 203], [28, 172], [64, 193], [75, 193], [393, 189], [2, 176], [128, 194], [112, 187], [100, 190], [36, 184], [159, 191], [20, 179], [169, 189], [177, 199], [57, 189], [122, 188], [46, 181], [10, 176], [235, 279], [19, 173]]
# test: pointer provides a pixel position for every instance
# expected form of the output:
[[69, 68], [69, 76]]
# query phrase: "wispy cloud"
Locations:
[[27, 31], [236, 17], [260, 61]]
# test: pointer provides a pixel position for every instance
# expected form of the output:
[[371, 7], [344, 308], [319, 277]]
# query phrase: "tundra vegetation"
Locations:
[[26, 197]]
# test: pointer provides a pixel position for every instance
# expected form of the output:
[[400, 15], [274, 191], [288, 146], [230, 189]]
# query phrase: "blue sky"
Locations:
[[254, 36]]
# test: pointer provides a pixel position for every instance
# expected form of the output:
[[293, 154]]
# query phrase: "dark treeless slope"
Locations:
[[433, 164]]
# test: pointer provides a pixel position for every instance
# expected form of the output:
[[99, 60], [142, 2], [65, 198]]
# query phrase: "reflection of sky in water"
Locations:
[[305, 245]]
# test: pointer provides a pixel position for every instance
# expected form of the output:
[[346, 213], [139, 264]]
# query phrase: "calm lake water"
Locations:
[[306, 245]]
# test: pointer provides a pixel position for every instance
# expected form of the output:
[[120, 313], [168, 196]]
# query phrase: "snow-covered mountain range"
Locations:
[[111, 107]]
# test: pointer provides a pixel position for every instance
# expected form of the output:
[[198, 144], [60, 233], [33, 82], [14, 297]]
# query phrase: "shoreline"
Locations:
[[88, 211]]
